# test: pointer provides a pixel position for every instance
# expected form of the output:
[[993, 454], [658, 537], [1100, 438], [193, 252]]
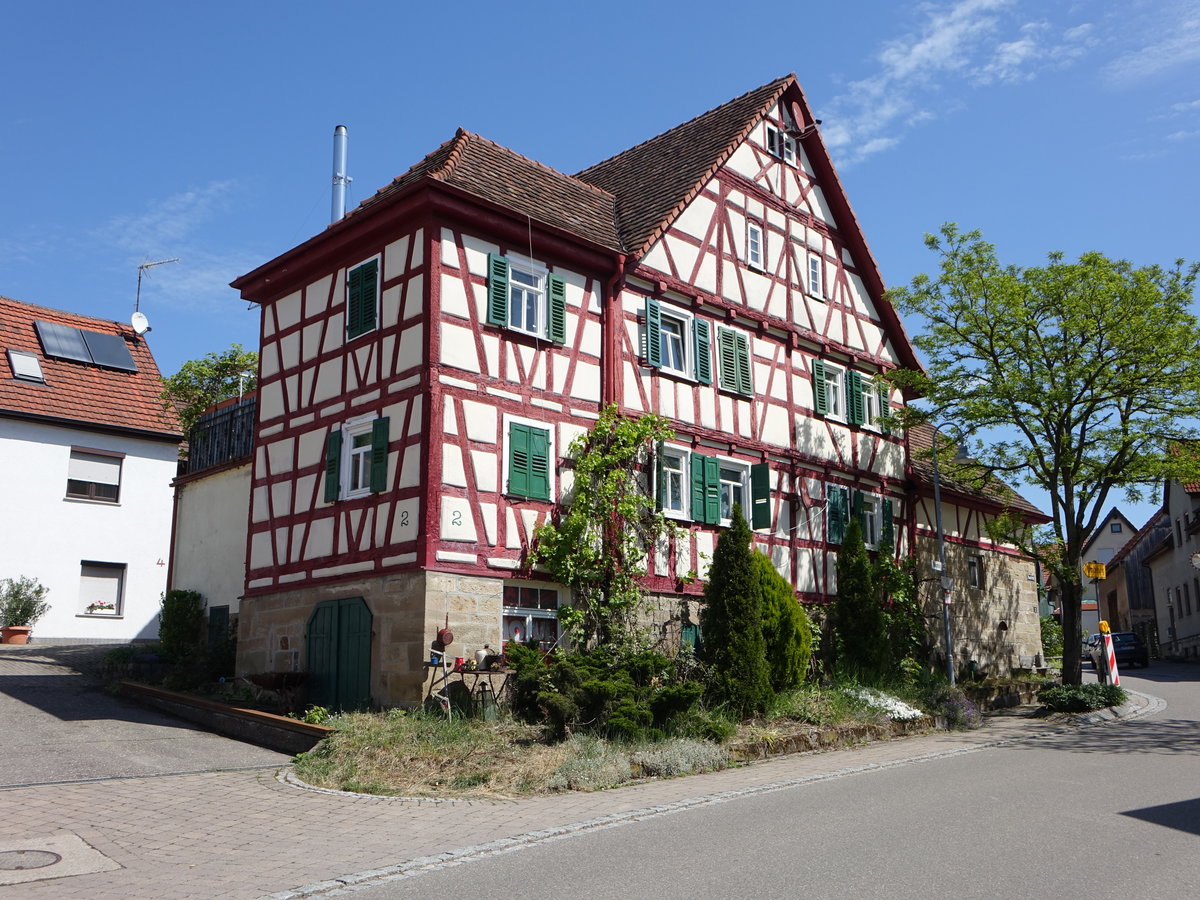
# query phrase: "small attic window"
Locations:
[[25, 366], [781, 144]]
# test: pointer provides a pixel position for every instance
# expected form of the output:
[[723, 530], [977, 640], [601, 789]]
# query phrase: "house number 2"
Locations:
[[456, 518]]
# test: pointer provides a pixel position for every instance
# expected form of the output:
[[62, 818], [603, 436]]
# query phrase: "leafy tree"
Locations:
[[199, 383], [857, 615], [787, 633], [1078, 378], [904, 622], [731, 621], [598, 545]]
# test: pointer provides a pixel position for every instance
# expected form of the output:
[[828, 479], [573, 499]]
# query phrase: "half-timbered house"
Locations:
[[426, 360]]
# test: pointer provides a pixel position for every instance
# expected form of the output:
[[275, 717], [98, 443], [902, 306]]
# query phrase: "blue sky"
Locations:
[[134, 132]]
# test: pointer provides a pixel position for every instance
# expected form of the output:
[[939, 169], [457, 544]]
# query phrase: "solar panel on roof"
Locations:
[[63, 341], [109, 350]]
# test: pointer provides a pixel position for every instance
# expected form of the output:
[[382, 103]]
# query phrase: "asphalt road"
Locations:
[[1102, 811]]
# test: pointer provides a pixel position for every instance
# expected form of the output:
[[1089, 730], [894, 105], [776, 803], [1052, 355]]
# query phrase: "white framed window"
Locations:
[[734, 480], [356, 458], [94, 475], [871, 401], [974, 572], [526, 299], [101, 588], [25, 366], [870, 519], [530, 612], [781, 144], [676, 329], [816, 279], [673, 482], [755, 248], [835, 394]]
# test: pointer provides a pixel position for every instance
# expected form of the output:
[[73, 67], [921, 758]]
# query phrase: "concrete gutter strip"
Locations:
[[250, 725]]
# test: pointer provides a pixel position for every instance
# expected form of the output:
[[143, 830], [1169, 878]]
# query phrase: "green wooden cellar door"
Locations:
[[339, 654]]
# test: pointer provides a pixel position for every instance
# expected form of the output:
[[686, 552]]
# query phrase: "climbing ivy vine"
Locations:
[[598, 544]]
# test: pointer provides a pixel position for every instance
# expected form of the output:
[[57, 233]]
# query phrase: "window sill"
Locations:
[[99, 616], [91, 502]]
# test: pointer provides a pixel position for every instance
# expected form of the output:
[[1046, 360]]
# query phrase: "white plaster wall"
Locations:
[[209, 552], [47, 536]]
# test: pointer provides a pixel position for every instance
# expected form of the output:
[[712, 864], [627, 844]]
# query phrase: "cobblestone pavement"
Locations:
[[246, 834]]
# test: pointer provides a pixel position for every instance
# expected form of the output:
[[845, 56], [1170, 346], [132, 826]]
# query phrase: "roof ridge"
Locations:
[[456, 147], [64, 312], [599, 191], [691, 121]]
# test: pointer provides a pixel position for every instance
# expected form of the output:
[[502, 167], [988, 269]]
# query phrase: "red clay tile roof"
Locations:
[[77, 393], [955, 478], [658, 177], [485, 169]]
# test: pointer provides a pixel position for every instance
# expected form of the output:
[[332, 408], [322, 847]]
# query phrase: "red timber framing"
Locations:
[[455, 387]]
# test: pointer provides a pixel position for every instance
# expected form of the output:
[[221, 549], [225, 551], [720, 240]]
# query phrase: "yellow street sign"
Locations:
[[1095, 570]]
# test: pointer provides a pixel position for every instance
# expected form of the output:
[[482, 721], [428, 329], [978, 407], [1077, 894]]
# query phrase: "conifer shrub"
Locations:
[[731, 621], [181, 624], [787, 632], [857, 616]]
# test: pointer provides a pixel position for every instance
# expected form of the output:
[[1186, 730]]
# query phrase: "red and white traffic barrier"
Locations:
[[1111, 656]]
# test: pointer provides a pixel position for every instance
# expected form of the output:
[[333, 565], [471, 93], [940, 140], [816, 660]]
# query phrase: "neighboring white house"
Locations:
[[88, 454], [1175, 571]]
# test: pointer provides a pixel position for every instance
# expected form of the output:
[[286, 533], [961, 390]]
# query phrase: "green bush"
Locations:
[[1082, 697], [787, 632], [181, 624], [1052, 636], [602, 692], [857, 616], [731, 621], [22, 601]]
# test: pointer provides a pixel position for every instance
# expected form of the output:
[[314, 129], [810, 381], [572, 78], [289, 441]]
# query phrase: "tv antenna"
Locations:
[[137, 302]]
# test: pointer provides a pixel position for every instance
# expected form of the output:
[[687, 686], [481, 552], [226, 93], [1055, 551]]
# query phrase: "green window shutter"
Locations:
[[726, 360], [885, 410], [744, 385], [539, 464], [689, 637], [660, 493], [855, 400], [557, 298], [379, 455], [820, 395], [333, 465], [362, 284], [835, 514], [712, 490], [697, 474], [888, 530], [760, 496], [497, 307], [518, 459], [702, 332], [653, 332]]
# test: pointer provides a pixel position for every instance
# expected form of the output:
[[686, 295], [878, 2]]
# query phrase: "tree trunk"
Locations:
[[1070, 600]]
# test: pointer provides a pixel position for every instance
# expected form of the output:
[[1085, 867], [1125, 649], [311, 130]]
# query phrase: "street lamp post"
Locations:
[[947, 582]]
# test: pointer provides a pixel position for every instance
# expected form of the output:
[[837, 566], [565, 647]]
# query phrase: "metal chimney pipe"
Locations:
[[340, 178]]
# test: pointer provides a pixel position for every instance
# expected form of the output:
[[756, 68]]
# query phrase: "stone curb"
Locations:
[[1135, 707]]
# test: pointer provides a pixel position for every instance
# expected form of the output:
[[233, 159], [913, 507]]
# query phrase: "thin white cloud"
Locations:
[[972, 42], [200, 280], [1189, 106], [1165, 36], [1182, 135], [164, 224]]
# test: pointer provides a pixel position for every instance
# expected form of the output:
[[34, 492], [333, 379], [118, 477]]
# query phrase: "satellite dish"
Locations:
[[140, 323]]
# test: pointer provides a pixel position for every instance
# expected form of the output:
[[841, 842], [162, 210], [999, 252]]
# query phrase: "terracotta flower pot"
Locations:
[[15, 634]]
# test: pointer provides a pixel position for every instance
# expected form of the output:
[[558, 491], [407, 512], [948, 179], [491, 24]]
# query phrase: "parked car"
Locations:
[[1089, 645], [1129, 648]]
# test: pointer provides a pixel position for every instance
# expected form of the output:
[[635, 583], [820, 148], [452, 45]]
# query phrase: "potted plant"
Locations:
[[21, 605]]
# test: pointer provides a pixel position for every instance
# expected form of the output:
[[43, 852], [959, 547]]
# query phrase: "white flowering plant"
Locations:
[[893, 707]]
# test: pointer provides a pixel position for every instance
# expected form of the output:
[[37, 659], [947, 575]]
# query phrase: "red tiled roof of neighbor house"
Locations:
[[966, 479], [77, 393]]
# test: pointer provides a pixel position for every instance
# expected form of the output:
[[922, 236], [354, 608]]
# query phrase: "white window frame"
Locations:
[[99, 570], [835, 392], [360, 456], [687, 340], [781, 144], [974, 572], [872, 520], [743, 483], [83, 456], [541, 309], [508, 614], [756, 236], [684, 458], [816, 276], [871, 403]]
